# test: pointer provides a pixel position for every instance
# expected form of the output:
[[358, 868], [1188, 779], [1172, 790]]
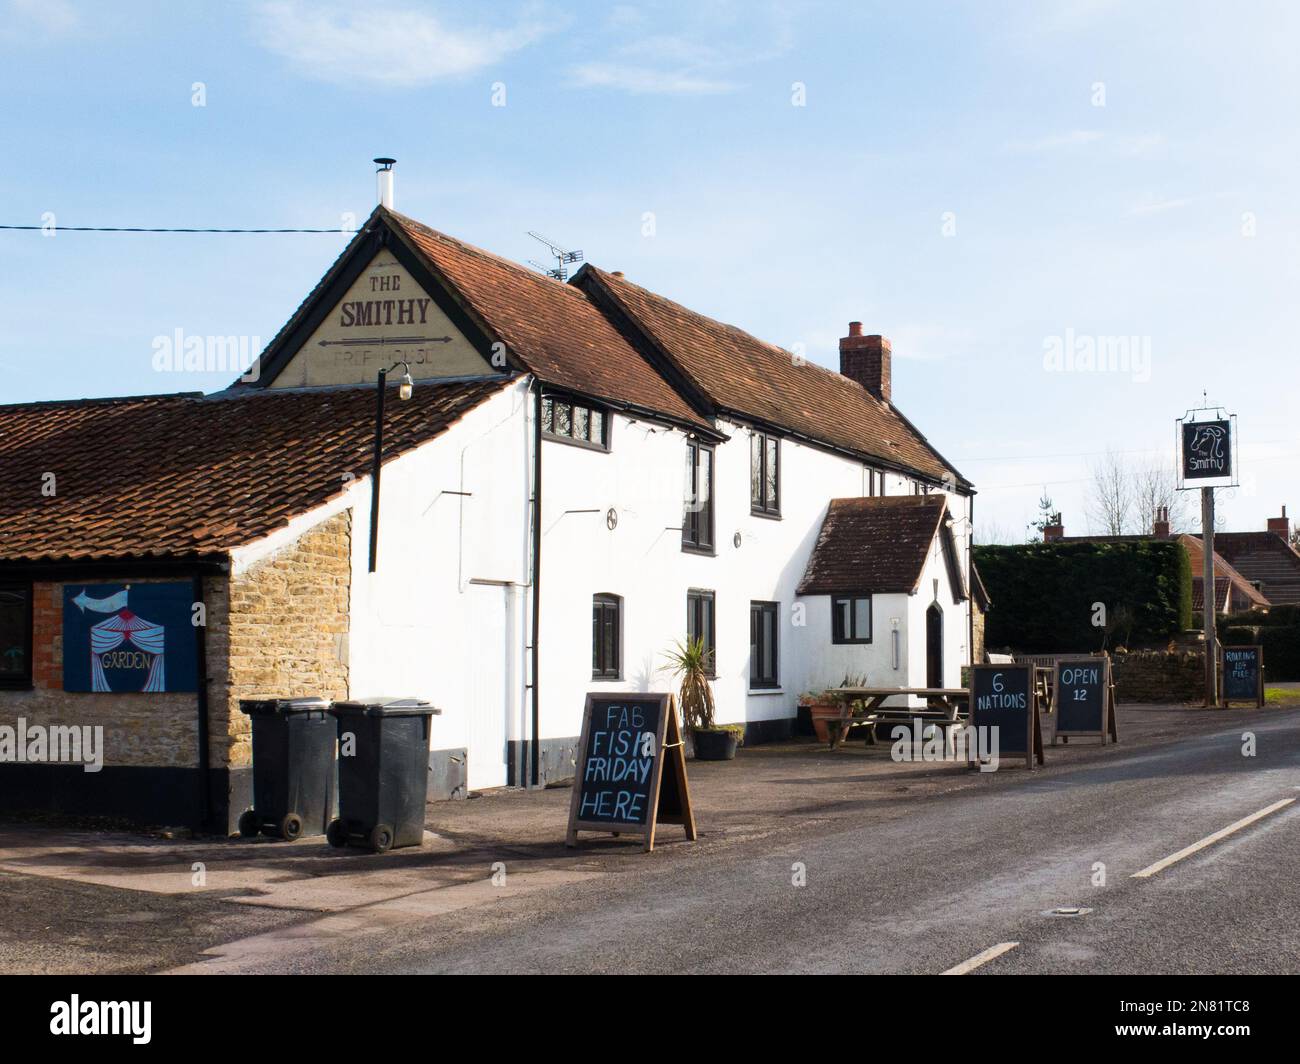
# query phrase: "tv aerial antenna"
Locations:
[[563, 258]]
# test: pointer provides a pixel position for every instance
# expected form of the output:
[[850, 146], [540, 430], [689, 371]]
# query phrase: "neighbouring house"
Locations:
[[583, 474], [1267, 559]]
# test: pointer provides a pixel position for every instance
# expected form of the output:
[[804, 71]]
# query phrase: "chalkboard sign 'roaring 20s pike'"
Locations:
[[631, 768], [1243, 675]]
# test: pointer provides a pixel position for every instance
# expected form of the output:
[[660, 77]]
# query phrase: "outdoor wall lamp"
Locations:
[[404, 391], [894, 639]]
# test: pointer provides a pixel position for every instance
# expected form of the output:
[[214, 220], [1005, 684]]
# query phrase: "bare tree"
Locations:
[[1111, 496], [1155, 487], [988, 533]]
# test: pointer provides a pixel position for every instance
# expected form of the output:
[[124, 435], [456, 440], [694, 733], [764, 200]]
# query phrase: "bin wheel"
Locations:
[[248, 824], [335, 834], [291, 826], [381, 838]]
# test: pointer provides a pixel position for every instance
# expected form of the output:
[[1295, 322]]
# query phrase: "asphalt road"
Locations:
[[953, 877]]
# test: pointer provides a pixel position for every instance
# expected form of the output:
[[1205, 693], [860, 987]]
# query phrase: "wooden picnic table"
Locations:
[[945, 706]]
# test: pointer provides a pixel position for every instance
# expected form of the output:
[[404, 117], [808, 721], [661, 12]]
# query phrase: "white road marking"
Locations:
[[1209, 840], [982, 958]]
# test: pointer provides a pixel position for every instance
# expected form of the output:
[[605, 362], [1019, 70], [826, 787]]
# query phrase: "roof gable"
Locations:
[[877, 545]]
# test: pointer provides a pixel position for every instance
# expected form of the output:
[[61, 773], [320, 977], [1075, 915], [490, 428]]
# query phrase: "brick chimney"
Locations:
[[1054, 531], [865, 359], [1280, 525], [1160, 526]]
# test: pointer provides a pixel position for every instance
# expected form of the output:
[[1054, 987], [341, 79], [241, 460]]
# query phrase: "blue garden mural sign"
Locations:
[[128, 638]]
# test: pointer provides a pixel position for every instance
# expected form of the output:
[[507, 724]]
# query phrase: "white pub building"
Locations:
[[575, 477]]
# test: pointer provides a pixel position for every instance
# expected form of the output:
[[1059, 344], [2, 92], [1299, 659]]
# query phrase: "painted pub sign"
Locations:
[[129, 638], [1206, 452]]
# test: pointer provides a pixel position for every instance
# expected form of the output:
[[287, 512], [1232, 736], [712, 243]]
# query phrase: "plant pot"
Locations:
[[821, 713], [717, 745]]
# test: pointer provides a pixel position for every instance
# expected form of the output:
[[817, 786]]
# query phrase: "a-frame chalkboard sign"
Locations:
[[1085, 700], [631, 771], [1243, 675], [1003, 697]]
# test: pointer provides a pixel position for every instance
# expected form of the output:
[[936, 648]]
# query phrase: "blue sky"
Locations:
[[982, 182]]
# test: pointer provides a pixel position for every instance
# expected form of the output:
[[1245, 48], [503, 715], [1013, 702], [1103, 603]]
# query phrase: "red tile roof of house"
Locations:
[[746, 376], [1225, 576], [874, 545], [550, 326], [190, 475], [1266, 557]]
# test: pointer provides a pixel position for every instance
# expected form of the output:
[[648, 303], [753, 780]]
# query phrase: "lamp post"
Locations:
[[404, 390]]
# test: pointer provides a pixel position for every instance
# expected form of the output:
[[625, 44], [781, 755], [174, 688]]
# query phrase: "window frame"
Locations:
[[22, 681], [838, 635], [549, 401], [691, 541], [758, 449], [696, 600], [603, 603], [757, 610]]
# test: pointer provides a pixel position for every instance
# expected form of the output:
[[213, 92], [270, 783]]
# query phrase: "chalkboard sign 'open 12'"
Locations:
[[1243, 675], [631, 772], [1002, 697], [1085, 699]]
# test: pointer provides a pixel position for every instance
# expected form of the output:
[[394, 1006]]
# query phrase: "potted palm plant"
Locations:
[[689, 662]]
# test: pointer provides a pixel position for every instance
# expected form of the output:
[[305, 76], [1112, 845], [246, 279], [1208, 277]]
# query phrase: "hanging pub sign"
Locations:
[[1003, 700], [631, 771], [1085, 699], [1205, 451], [129, 638], [1243, 675]]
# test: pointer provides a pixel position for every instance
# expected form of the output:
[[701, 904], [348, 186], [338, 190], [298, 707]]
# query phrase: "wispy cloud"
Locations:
[[1158, 206], [52, 18], [676, 62], [384, 45]]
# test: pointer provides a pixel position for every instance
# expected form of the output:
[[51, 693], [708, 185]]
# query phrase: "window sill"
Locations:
[[569, 441], [704, 552], [770, 515], [755, 691]]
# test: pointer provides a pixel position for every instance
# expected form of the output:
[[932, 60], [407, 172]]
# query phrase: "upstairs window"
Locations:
[[697, 522], [15, 635], [606, 637], [764, 474], [699, 624], [571, 421], [851, 618]]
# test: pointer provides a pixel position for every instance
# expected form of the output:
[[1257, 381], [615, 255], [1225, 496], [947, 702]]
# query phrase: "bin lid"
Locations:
[[253, 706], [387, 707]]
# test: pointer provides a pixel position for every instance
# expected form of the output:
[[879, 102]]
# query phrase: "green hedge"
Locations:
[[1043, 593], [1281, 653], [1276, 617]]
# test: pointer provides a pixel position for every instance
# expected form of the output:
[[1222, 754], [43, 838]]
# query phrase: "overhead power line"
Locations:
[[159, 229]]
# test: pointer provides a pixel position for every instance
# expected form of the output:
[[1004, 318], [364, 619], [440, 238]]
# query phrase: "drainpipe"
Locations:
[[201, 669], [534, 747], [970, 581]]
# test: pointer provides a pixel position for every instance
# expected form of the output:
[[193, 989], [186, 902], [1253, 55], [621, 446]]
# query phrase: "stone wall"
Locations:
[[977, 640], [1159, 676], [283, 632]]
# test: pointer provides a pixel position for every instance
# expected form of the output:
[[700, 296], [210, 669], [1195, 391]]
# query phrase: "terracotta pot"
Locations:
[[821, 712]]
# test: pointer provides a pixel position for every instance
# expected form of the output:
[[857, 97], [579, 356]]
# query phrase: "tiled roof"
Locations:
[[189, 475], [1224, 576], [552, 327], [873, 545], [1266, 557], [741, 374]]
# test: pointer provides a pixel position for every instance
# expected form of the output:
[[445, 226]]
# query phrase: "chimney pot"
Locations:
[[1280, 525], [866, 359]]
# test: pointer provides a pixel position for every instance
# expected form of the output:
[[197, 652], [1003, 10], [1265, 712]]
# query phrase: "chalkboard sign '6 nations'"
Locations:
[[1085, 699], [1003, 697], [631, 771], [1243, 675]]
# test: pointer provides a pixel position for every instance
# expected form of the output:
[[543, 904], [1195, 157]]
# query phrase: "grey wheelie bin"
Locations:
[[383, 772], [294, 773]]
